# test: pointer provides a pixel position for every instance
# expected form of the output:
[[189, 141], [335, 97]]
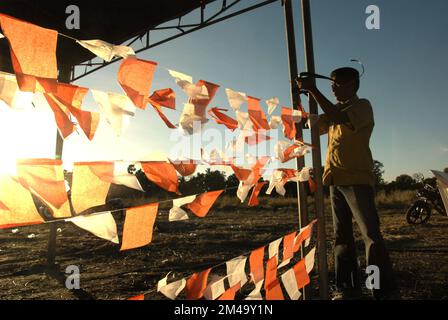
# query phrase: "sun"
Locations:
[[24, 134]]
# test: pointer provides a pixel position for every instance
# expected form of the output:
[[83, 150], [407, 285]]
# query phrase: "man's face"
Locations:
[[343, 89]]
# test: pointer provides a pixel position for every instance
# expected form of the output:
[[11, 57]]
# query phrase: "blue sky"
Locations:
[[405, 76]]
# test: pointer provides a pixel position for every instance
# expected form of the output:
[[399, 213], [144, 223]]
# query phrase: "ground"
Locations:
[[419, 253]]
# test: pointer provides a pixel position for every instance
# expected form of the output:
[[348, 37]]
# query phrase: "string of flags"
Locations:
[[33, 55], [254, 276], [91, 181]]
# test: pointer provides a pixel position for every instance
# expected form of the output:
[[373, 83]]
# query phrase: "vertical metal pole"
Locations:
[[64, 76], [316, 154], [295, 97]]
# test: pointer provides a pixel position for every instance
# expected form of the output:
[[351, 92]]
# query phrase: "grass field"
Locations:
[[419, 253]]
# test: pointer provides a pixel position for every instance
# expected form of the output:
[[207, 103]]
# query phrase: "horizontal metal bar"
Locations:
[[199, 27]]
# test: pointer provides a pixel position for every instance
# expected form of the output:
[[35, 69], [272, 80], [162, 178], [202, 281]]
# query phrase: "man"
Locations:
[[349, 173]]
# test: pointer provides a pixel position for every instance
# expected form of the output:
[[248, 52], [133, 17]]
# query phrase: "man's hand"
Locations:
[[306, 83]]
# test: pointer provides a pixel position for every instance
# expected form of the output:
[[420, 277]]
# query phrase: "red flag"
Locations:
[[135, 77], [139, 297], [196, 285], [138, 226], [304, 234], [163, 98], [202, 204], [253, 201], [288, 246], [256, 114], [185, 168], [241, 173], [33, 54], [256, 264], [61, 115], [301, 274], [201, 104], [68, 99], [289, 128], [229, 294], [17, 207], [162, 173], [45, 179], [274, 291], [91, 183], [271, 283], [222, 118]]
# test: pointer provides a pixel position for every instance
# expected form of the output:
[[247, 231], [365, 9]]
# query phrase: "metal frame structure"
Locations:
[[68, 74], [182, 29]]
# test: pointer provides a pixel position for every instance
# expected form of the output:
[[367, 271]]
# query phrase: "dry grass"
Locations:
[[396, 199]]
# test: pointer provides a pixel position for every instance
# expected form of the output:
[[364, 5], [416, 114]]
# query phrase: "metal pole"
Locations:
[[316, 154], [295, 97], [64, 76]]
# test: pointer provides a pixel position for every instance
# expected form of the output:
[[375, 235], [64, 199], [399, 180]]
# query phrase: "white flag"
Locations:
[[309, 260], [171, 290], [243, 120], [215, 287], [272, 104], [243, 190], [235, 271], [442, 184], [236, 99], [273, 248], [101, 225], [290, 284], [274, 122], [185, 82], [123, 177], [117, 108], [105, 50], [11, 94], [276, 182], [176, 212], [189, 121]]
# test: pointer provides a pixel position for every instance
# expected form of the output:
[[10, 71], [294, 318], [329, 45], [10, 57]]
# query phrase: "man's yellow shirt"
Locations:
[[349, 159]]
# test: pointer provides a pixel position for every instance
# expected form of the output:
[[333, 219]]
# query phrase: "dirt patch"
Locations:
[[419, 254]]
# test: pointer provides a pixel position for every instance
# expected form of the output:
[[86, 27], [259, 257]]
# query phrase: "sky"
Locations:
[[405, 63]]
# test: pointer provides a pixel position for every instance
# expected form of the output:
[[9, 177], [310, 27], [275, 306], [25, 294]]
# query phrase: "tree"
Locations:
[[445, 170], [378, 172], [418, 177], [404, 182]]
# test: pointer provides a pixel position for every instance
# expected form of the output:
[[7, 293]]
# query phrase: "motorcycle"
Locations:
[[428, 199]]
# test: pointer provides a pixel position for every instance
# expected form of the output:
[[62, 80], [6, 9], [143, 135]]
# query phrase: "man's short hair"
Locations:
[[347, 74]]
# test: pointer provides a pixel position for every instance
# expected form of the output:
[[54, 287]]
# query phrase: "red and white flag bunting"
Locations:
[[213, 286]]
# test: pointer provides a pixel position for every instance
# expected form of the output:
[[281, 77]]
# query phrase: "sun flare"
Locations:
[[24, 134]]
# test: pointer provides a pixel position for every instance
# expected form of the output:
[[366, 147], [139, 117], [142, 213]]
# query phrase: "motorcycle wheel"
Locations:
[[418, 213]]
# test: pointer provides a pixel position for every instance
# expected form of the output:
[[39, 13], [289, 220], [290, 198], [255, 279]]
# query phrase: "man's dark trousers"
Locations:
[[358, 201]]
